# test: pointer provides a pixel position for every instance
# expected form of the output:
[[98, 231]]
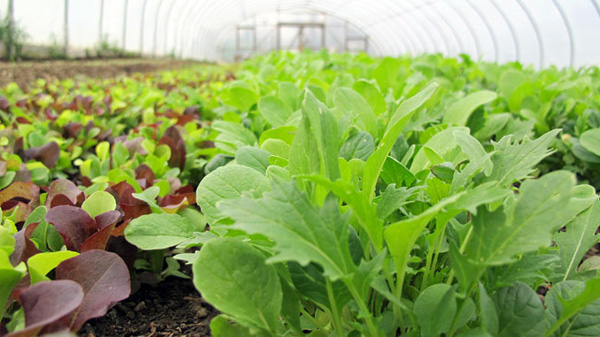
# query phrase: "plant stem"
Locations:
[[461, 250], [335, 315], [368, 316]]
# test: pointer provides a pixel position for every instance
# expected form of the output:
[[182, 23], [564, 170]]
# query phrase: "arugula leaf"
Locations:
[[573, 244], [525, 225], [573, 308], [514, 161], [301, 231]]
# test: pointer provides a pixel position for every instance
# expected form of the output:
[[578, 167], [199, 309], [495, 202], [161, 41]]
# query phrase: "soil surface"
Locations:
[[171, 308], [25, 73]]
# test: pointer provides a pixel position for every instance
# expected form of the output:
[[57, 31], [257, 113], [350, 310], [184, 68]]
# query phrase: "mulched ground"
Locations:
[[172, 308], [25, 73]]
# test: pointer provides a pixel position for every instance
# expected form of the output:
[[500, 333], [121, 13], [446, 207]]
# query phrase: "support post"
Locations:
[[66, 29], [124, 37], [142, 27], [11, 23], [100, 37]]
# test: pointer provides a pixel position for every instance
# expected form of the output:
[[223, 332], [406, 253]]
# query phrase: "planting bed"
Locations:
[[303, 194]]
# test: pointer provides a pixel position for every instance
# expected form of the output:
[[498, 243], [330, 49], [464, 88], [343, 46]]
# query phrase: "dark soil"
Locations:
[[172, 308], [25, 73]]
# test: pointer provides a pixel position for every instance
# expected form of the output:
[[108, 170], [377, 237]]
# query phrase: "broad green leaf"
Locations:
[[529, 269], [509, 81], [233, 136], [289, 93], [440, 143], [220, 326], [493, 124], [350, 103], [7, 241], [519, 310], [590, 140], [225, 183], [41, 264], [277, 147], [372, 95], [435, 309], [242, 98], [275, 111], [301, 232], [397, 123], [386, 73], [234, 278], [160, 231], [149, 196], [488, 314], [573, 243], [576, 304], [253, 157], [359, 145], [315, 147], [99, 202], [9, 277], [458, 113], [517, 160], [527, 224]]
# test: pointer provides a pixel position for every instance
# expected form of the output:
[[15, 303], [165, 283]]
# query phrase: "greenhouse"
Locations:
[[299, 168]]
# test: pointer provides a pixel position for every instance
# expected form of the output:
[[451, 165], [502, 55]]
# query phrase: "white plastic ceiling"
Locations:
[[539, 32]]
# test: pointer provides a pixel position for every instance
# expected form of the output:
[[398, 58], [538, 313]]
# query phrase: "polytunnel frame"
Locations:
[[318, 11], [411, 39]]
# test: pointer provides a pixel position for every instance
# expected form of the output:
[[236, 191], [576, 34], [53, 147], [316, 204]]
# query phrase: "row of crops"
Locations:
[[313, 194]]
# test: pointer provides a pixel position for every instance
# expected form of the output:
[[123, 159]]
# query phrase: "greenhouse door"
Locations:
[[300, 36]]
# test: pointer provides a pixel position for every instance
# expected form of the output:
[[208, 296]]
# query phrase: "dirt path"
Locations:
[[24, 73]]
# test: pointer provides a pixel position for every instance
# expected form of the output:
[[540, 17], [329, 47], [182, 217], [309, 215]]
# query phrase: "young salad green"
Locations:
[[420, 197]]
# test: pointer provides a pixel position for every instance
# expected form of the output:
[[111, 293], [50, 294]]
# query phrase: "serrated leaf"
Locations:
[[527, 224], [394, 128], [301, 231], [579, 236], [517, 160]]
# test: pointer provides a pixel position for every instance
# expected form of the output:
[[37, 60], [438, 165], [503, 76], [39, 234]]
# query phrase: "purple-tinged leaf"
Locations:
[[107, 218], [24, 247], [105, 281], [74, 225], [47, 154], [172, 138], [25, 191], [47, 306], [61, 189], [4, 104]]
